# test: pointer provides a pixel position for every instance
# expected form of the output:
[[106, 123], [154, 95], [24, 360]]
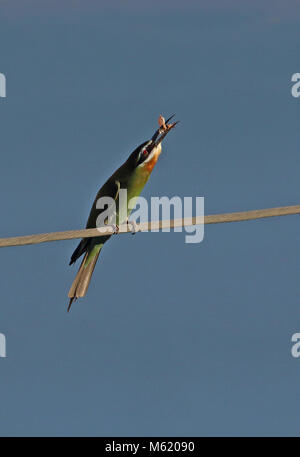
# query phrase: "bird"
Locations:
[[132, 176]]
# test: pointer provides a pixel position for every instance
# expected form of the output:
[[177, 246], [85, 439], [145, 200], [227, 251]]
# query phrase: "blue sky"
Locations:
[[172, 339]]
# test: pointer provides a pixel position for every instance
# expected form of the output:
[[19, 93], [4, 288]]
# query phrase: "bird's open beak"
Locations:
[[160, 133]]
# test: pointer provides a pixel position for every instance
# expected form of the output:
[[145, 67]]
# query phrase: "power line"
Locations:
[[147, 226]]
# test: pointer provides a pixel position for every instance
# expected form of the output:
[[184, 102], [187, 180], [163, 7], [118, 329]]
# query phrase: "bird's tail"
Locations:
[[82, 280]]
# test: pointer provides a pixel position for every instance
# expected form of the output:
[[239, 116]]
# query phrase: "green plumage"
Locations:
[[129, 177], [132, 176]]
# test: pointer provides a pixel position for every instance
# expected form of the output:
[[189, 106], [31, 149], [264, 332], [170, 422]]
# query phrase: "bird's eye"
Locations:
[[145, 152]]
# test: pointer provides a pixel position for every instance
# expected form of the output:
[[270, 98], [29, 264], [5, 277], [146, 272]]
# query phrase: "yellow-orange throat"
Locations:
[[149, 164], [142, 173]]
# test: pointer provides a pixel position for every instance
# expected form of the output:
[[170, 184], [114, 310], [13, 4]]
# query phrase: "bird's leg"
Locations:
[[134, 227], [116, 228]]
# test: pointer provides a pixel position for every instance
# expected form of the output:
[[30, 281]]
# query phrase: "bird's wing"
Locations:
[[110, 189]]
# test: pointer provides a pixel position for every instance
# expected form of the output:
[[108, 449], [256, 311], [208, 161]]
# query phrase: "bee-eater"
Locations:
[[132, 176]]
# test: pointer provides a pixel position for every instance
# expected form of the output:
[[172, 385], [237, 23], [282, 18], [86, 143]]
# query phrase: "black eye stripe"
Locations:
[[143, 154]]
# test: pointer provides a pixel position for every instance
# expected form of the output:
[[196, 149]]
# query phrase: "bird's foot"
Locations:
[[134, 228], [116, 229]]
